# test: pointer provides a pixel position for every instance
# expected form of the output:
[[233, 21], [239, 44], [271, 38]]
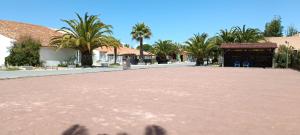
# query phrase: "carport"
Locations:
[[248, 54]]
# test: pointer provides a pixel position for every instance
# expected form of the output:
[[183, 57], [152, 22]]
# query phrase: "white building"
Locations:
[[106, 55], [10, 31], [50, 56]]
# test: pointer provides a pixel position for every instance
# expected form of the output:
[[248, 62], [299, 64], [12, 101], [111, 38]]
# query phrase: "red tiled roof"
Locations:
[[15, 30], [249, 45], [122, 51]]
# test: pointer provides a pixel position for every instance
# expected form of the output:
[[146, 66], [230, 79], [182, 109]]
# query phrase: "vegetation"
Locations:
[[200, 47], [291, 31], [115, 44], [296, 60], [227, 36], [68, 61], [146, 47], [164, 49], [215, 52], [127, 45], [240, 35], [88, 32], [10, 69], [247, 35], [84, 34], [282, 54], [140, 32], [274, 28], [114, 65], [24, 52]]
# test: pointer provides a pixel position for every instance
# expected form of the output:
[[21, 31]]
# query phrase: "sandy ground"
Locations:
[[184, 101]]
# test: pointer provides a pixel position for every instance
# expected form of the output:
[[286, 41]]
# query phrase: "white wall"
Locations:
[[52, 57], [100, 57], [49, 55], [96, 58], [5, 43]]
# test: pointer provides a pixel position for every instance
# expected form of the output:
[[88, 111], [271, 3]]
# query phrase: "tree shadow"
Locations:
[[82, 130]]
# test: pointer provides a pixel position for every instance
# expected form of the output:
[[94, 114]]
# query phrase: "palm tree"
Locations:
[[216, 51], [199, 47], [146, 47], [247, 35], [115, 44], [115, 55], [241, 35], [84, 34], [164, 48], [227, 36], [140, 32]]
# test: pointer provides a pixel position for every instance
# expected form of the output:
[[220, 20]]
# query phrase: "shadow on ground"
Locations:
[[82, 130]]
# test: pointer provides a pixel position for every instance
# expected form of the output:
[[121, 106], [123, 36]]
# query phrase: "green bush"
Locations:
[[281, 56], [281, 60], [24, 52], [296, 60], [12, 69], [114, 65]]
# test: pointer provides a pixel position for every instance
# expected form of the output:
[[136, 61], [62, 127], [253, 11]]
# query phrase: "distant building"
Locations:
[[106, 55]]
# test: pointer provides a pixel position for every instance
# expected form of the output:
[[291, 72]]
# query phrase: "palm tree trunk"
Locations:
[[141, 51], [115, 53], [87, 59], [199, 61], [207, 60]]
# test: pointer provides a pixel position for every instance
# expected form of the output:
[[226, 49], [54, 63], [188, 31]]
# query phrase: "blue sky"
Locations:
[[176, 20]]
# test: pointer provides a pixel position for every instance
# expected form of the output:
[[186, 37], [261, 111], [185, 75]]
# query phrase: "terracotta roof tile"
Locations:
[[122, 51], [14, 30]]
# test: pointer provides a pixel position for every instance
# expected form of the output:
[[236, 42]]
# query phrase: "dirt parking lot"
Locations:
[[184, 101]]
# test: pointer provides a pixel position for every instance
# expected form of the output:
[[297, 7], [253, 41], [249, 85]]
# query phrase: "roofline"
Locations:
[[267, 45]]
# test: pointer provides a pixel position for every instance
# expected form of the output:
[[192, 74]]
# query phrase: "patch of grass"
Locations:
[[114, 65], [10, 69]]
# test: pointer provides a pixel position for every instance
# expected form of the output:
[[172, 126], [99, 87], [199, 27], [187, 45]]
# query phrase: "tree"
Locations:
[[282, 54], [115, 44], [140, 32], [25, 51], [84, 34], [291, 31], [146, 47], [164, 48], [247, 35], [127, 45], [274, 28], [180, 49], [296, 60], [199, 47], [240, 35], [227, 36], [216, 41]]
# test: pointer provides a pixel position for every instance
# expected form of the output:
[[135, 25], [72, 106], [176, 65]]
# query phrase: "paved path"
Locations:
[[28, 73], [183, 100]]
